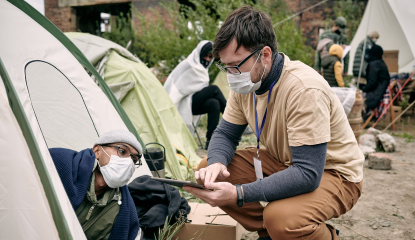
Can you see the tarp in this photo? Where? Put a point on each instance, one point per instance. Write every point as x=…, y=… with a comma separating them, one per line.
x=142, y=96
x=47, y=100
x=393, y=19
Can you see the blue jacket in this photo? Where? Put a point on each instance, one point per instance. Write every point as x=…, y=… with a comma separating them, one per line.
x=75, y=169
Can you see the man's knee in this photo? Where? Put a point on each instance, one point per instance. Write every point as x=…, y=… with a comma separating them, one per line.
x=202, y=164
x=280, y=220
x=213, y=105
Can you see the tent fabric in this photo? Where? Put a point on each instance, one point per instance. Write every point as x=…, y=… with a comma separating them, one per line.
x=393, y=19
x=152, y=112
x=222, y=82
x=22, y=198
x=26, y=40
x=52, y=29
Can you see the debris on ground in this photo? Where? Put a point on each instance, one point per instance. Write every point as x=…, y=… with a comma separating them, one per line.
x=380, y=161
x=386, y=141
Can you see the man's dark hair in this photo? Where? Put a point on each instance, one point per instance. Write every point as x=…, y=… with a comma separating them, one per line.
x=251, y=28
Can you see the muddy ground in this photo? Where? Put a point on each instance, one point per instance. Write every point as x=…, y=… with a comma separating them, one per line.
x=386, y=209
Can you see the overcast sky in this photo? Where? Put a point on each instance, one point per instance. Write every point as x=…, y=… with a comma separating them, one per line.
x=38, y=4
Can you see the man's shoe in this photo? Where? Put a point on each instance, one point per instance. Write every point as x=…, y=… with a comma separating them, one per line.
x=264, y=238
x=207, y=144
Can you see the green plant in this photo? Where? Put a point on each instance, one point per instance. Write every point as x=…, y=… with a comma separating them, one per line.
x=170, y=37
x=352, y=10
x=122, y=32
x=169, y=231
x=408, y=137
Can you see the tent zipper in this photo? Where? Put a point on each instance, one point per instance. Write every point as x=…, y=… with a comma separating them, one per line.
x=90, y=211
x=90, y=223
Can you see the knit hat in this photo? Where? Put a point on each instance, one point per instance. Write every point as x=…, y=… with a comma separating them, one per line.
x=340, y=22
x=373, y=34
x=121, y=136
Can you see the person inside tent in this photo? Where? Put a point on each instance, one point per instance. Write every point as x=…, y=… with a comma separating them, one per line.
x=95, y=181
x=377, y=77
x=188, y=87
x=371, y=39
x=338, y=28
x=332, y=67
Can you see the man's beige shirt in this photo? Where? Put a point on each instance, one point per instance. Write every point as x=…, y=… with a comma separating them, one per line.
x=302, y=110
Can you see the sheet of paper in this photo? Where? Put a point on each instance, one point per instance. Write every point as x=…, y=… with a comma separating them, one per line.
x=258, y=168
x=346, y=50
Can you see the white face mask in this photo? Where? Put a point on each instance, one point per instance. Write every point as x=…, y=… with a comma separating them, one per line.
x=374, y=39
x=118, y=171
x=242, y=83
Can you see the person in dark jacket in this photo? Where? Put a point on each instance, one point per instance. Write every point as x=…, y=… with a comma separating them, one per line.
x=371, y=39
x=377, y=76
x=95, y=182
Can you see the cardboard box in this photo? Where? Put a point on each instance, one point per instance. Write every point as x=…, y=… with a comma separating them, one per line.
x=223, y=226
x=391, y=60
x=396, y=111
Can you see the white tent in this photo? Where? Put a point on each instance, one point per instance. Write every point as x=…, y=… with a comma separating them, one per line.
x=47, y=99
x=393, y=19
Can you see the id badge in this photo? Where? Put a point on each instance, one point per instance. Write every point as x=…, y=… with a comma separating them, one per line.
x=258, y=168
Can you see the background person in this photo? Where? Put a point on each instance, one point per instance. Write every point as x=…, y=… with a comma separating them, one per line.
x=95, y=182
x=188, y=87
x=332, y=67
x=372, y=37
x=312, y=167
x=338, y=28
x=377, y=76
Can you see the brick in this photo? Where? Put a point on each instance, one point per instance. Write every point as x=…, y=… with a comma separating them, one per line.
x=380, y=161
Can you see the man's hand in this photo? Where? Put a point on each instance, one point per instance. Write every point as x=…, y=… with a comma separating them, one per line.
x=224, y=194
x=208, y=175
x=344, y=74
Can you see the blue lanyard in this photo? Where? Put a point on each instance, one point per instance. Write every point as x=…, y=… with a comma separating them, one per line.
x=258, y=133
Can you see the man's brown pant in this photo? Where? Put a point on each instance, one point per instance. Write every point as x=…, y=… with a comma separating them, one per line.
x=298, y=217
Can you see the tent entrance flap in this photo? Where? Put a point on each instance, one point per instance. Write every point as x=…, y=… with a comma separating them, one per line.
x=17, y=108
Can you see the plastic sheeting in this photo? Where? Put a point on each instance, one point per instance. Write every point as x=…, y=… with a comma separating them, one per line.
x=347, y=97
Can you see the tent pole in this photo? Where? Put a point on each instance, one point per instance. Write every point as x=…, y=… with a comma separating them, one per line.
x=364, y=45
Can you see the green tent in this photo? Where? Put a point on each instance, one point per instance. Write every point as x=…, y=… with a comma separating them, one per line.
x=222, y=82
x=144, y=99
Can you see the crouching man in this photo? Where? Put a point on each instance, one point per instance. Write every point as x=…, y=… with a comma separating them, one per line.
x=95, y=182
x=310, y=169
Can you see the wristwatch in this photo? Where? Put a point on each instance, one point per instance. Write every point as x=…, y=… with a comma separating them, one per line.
x=240, y=199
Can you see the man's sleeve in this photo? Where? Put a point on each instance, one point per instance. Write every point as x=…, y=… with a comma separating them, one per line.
x=338, y=70
x=224, y=141
x=302, y=177
x=227, y=135
x=308, y=118
x=233, y=112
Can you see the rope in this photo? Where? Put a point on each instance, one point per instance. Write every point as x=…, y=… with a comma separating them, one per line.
x=295, y=15
x=386, y=109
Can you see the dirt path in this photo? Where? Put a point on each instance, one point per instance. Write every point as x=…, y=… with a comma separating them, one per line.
x=386, y=209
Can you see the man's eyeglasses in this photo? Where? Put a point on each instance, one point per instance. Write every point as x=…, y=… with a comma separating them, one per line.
x=124, y=152
x=234, y=69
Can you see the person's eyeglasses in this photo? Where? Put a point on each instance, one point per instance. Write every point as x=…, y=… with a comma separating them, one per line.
x=234, y=69
x=124, y=152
